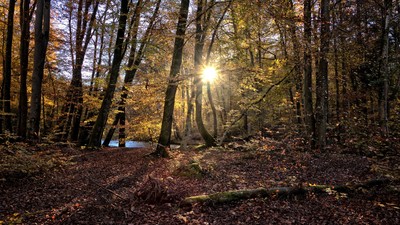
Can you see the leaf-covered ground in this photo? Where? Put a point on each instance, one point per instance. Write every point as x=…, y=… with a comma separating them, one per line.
x=127, y=186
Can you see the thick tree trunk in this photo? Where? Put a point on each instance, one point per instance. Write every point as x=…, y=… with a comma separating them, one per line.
x=42, y=30
x=164, y=140
x=97, y=131
x=307, y=79
x=25, y=20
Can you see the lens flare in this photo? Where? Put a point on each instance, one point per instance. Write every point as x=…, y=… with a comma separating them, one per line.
x=209, y=74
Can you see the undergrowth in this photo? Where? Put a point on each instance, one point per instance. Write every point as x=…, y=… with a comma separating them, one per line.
x=19, y=160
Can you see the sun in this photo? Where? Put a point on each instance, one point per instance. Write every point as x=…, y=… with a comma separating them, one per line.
x=209, y=74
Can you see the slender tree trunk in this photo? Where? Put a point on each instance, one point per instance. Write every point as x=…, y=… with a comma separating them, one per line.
x=25, y=20
x=213, y=109
x=164, y=140
x=385, y=70
x=336, y=67
x=135, y=58
x=74, y=107
x=307, y=79
x=201, y=26
x=42, y=30
x=84, y=132
x=322, y=77
x=97, y=131
x=6, y=90
x=191, y=93
x=209, y=94
x=297, y=65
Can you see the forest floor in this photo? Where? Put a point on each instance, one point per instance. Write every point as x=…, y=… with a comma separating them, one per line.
x=128, y=186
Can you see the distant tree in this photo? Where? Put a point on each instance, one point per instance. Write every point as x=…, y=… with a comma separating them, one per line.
x=164, y=140
x=74, y=99
x=97, y=131
x=42, y=30
x=134, y=60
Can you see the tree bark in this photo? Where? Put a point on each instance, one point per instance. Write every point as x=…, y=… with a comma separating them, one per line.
x=307, y=79
x=385, y=70
x=297, y=64
x=322, y=77
x=97, y=131
x=6, y=90
x=42, y=31
x=25, y=20
x=164, y=140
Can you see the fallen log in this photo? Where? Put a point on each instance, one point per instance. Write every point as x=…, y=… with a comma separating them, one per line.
x=230, y=196
x=236, y=195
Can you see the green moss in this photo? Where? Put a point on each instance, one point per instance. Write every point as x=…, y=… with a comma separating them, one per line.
x=192, y=170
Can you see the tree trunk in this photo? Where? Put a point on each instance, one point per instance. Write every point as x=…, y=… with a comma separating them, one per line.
x=121, y=134
x=6, y=90
x=307, y=79
x=322, y=78
x=74, y=98
x=97, y=131
x=198, y=61
x=135, y=58
x=385, y=70
x=111, y=131
x=209, y=94
x=297, y=65
x=84, y=132
x=214, y=111
x=134, y=61
x=25, y=20
x=42, y=30
x=164, y=140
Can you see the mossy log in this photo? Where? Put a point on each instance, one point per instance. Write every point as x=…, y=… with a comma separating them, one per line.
x=236, y=195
